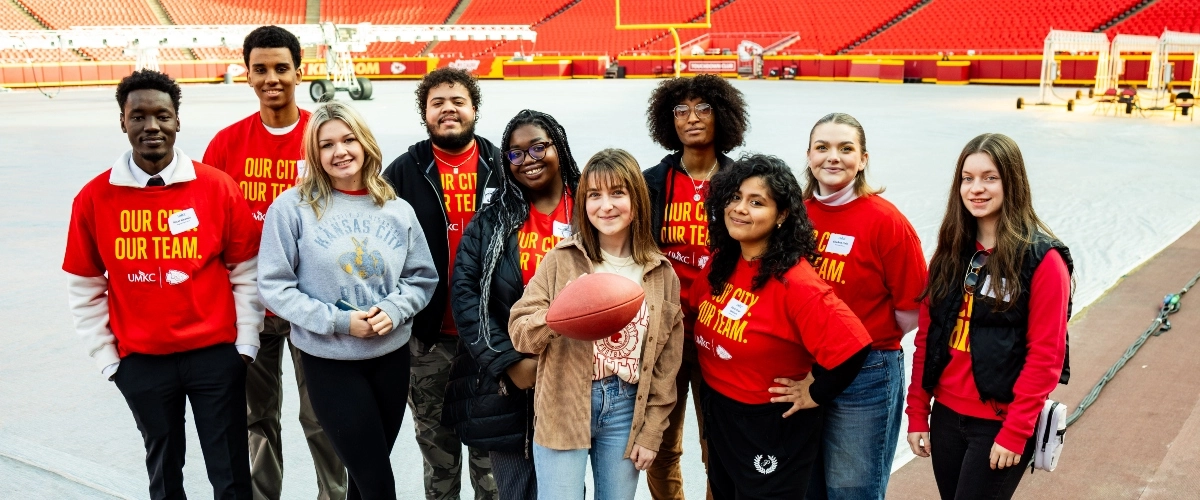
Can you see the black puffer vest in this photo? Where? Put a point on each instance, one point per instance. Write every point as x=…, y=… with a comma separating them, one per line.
x=998, y=347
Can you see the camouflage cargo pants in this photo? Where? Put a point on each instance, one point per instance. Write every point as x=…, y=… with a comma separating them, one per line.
x=264, y=406
x=440, y=445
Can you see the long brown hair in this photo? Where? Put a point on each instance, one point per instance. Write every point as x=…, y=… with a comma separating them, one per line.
x=616, y=167
x=1014, y=231
x=316, y=189
x=861, y=188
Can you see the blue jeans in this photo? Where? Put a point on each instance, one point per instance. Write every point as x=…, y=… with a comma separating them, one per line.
x=862, y=427
x=560, y=473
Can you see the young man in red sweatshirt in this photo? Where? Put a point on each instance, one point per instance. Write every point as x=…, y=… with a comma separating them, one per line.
x=162, y=259
x=263, y=153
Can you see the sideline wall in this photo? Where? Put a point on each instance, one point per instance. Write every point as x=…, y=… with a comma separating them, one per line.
x=990, y=69
x=1014, y=69
x=111, y=72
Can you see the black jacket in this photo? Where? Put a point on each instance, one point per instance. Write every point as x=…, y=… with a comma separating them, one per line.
x=998, y=347
x=482, y=404
x=414, y=176
x=658, y=180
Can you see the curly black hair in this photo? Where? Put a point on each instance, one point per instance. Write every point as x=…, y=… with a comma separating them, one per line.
x=789, y=243
x=729, y=108
x=148, y=79
x=453, y=77
x=271, y=37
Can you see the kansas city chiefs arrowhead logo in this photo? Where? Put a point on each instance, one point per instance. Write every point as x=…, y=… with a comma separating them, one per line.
x=176, y=277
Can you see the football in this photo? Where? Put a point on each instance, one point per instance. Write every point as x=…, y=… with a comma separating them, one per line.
x=595, y=306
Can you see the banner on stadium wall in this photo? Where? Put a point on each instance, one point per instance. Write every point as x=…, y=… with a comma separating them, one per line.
x=479, y=66
x=709, y=66
x=375, y=67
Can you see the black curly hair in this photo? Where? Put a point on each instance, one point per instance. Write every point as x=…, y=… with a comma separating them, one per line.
x=148, y=79
x=271, y=37
x=511, y=206
x=453, y=77
x=792, y=241
x=729, y=108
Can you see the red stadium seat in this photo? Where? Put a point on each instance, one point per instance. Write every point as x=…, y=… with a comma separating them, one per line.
x=825, y=26
x=587, y=26
x=1174, y=15
x=1014, y=26
x=385, y=11
x=235, y=11
x=59, y=15
x=520, y=12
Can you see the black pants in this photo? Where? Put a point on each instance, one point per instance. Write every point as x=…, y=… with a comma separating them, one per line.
x=360, y=404
x=755, y=453
x=961, y=451
x=515, y=475
x=214, y=380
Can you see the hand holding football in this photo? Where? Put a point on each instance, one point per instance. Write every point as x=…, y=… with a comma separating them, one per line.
x=595, y=306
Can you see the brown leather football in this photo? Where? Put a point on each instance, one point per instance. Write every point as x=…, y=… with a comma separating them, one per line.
x=595, y=306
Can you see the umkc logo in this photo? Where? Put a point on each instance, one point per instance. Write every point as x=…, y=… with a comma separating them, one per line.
x=173, y=277
x=143, y=277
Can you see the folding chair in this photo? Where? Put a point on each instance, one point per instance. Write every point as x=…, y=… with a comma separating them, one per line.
x=1106, y=101
x=1129, y=97
x=1184, y=101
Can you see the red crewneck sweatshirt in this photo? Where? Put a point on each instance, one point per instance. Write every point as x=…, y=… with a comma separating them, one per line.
x=1046, y=338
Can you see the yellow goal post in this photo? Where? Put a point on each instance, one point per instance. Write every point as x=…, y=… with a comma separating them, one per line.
x=671, y=27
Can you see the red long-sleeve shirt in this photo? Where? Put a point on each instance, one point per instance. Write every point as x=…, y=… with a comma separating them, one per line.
x=1046, y=338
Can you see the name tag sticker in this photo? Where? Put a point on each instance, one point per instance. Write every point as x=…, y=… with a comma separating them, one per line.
x=301, y=169
x=735, y=309
x=562, y=229
x=184, y=220
x=487, y=195
x=840, y=244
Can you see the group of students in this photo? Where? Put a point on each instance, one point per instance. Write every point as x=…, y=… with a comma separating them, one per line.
x=779, y=306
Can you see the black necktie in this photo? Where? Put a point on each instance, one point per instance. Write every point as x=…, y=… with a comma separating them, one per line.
x=156, y=181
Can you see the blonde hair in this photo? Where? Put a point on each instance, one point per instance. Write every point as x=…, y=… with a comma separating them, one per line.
x=315, y=187
x=616, y=167
x=861, y=188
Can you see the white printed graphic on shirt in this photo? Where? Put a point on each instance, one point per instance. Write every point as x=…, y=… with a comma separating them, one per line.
x=176, y=277
x=765, y=465
x=620, y=353
x=723, y=354
x=987, y=290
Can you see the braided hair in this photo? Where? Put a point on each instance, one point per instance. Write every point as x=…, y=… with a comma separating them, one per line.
x=510, y=204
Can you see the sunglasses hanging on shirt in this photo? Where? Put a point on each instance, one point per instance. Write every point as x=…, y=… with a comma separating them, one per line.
x=971, y=280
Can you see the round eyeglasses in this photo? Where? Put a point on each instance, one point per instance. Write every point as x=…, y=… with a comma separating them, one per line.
x=702, y=110
x=537, y=151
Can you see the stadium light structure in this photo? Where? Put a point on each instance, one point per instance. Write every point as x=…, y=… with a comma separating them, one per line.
x=1173, y=42
x=1109, y=77
x=1068, y=41
x=338, y=39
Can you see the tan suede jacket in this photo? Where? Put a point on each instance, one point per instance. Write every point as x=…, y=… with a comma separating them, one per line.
x=563, y=390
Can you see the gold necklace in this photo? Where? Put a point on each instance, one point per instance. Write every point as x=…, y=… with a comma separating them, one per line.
x=696, y=196
x=471, y=152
